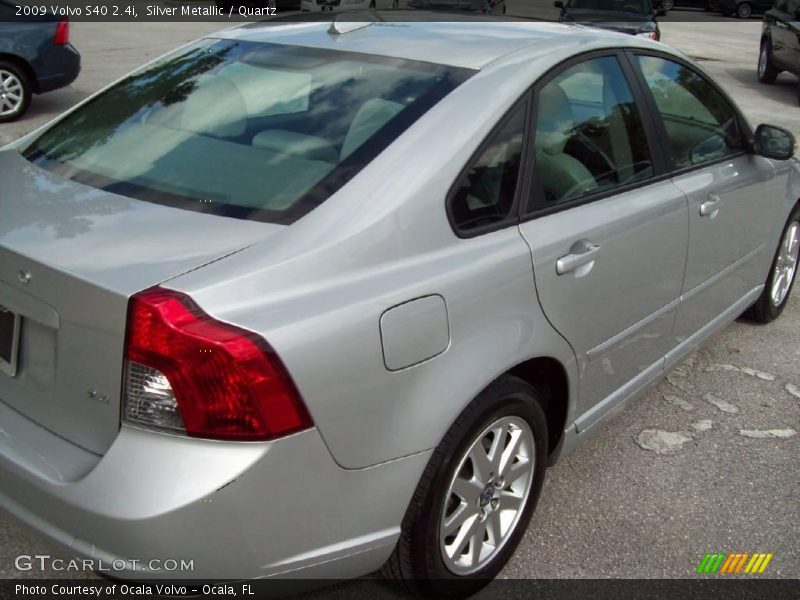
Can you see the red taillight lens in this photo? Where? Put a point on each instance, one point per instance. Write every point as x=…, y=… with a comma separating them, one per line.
x=61, y=38
x=226, y=382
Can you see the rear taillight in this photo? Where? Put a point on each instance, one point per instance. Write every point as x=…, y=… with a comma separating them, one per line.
x=61, y=38
x=188, y=373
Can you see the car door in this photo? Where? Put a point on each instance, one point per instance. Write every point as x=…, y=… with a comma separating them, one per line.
x=728, y=187
x=777, y=19
x=608, y=238
x=786, y=35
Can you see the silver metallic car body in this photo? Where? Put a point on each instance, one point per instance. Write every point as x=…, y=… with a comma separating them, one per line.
x=389, y=323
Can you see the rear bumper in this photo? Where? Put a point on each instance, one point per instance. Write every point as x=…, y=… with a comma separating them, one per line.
x=58, y=69
x=228, y=511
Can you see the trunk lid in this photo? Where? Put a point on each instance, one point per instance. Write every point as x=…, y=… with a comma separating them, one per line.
x=70, y=257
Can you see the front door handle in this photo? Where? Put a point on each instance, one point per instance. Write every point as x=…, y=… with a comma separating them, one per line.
x=582, y=253
x=710, y=207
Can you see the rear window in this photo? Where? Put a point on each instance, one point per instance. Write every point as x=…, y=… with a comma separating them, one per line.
x=242, y=129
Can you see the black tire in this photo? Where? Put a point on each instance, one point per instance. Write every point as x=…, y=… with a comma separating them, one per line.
x=667, y=5
x=744, y=10
x=417, y=561
x=766, y=71
x=27, y=91
x=764, y=310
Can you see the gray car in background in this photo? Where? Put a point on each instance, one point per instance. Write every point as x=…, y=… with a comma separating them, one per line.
x=348, y=324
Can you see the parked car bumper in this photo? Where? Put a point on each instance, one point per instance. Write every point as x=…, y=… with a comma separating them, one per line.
x=60, y=67
x=281, y=508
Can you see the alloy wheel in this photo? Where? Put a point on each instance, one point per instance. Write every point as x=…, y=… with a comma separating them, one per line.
x=785, y=264
x=12, y=94
x=487, y=495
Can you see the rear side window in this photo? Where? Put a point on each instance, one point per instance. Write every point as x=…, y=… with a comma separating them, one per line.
x=243, y=129
x=701, y=125
x=485, y=194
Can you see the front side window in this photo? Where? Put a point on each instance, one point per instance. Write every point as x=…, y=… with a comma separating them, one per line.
x=589, y=134
x=701, y=125
x=485, y=193
x=243, y=129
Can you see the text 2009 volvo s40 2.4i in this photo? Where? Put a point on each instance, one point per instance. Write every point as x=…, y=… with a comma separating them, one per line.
x=309, y=300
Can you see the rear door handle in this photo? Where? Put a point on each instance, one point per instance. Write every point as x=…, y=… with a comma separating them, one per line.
x=710, y=207
x=582, y=254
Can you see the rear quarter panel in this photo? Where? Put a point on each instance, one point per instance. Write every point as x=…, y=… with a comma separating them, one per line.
x=28, y=41
x=317, y=290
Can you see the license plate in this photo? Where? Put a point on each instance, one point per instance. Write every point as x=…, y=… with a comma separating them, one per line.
x=9, y=341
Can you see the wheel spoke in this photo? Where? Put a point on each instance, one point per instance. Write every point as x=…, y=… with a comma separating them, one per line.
x=476, y=543
x=511, y=451
x=463, y=538
x=494, y=528
x=481, y=464
x=467, y=490
x=777, y=288
x=458, y=518
x=517, y=470
x=495, y=453
x=510, y=501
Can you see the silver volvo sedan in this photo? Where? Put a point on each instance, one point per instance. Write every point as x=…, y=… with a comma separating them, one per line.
x=305, y=301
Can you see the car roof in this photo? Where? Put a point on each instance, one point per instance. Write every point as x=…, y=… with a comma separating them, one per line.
x=472, y=44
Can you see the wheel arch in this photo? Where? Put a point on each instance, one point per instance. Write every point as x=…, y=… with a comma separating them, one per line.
x=549, y=377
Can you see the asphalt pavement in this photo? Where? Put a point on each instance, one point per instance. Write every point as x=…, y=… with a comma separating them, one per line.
x=684, y=471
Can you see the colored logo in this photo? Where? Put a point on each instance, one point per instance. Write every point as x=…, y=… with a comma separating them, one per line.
x=734, y=562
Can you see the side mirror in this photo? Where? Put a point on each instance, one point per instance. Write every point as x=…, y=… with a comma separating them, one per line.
x=774, y=142
x=559, y=4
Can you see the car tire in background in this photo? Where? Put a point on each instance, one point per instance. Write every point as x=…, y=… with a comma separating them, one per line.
x=767, y=73
x=782, y=274
x=667, y=5
x=744, y=10
x=15, y=91
x=461, y=497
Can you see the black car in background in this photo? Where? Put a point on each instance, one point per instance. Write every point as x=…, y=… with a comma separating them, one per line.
x=706, y=5
x=636, y=17
x=35, y=57
x=743, y=9
x=780, y=42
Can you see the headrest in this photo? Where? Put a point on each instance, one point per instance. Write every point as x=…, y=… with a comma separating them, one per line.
x=214, y=108
x=372, y=115
x=555, y=121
